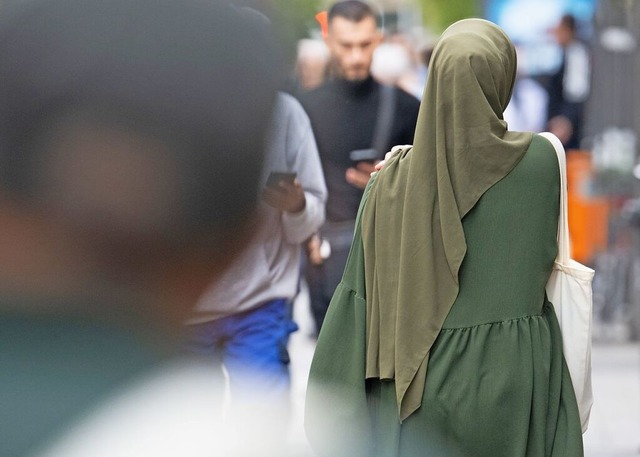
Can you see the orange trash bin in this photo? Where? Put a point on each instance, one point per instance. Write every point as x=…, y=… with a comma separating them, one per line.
x=588, y=214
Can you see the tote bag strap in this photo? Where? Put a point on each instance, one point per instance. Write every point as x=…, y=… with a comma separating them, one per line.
x=564, y=247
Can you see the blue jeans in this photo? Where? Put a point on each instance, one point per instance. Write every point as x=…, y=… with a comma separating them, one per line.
x=252, y=346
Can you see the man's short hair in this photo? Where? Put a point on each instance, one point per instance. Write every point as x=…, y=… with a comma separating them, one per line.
x=351, y=10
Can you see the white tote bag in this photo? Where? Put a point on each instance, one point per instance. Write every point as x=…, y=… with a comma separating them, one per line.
x=569, y=289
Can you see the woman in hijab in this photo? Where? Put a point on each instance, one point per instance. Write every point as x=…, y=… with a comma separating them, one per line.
x=440, y=339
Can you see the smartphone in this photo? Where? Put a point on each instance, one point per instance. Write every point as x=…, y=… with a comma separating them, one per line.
x=359, y=155
x=276, y=176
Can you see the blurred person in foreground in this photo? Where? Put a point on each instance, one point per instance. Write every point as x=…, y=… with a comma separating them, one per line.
x=244, y=319
x=131, y=139
x=440, y=340
x=356, y=120
x=569, y=86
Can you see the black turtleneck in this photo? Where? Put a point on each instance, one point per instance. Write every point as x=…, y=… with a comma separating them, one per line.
x=343, y=116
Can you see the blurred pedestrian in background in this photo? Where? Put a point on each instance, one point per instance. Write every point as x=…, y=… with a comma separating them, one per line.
x=312, y=65
x=440, y=340
x=391, y=62
x=131, y=144
x=244, y=319
x=527, y=110
x=569, y=86
x=399, y=62
x=355, y=120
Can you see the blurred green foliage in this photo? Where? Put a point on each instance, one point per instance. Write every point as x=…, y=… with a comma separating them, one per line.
x=299, y=15
x=296, y=18
x=439, y=14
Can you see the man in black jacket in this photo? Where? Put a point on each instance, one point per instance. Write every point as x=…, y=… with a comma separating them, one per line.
x=356, y=120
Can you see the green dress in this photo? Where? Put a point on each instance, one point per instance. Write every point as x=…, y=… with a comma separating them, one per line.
x=497, y=384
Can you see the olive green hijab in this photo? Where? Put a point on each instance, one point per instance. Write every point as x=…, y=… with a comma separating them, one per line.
x=412, y=231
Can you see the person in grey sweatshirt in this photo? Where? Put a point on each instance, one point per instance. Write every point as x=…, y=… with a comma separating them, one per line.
x=244, y=319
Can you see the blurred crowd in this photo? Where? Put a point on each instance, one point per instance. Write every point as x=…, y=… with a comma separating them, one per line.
x=540, y=102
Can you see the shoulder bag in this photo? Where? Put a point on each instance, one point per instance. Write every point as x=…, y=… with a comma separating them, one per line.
x=569, y=290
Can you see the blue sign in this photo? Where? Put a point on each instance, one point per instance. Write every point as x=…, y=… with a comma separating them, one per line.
x=529, y=24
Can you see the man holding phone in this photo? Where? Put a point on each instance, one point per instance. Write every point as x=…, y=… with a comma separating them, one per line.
x=284, y=192
x=356, y=120
x=244, y=319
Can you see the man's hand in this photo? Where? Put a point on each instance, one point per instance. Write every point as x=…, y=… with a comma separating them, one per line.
x=314, y=246
x=285, y=196
x=359, y=176
x=394, y=150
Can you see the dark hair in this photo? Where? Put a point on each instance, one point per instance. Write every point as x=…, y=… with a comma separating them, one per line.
x=569, y=21
x=193, y=74
x=352, y=10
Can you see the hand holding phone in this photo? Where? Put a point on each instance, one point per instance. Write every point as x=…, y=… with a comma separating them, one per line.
x=275, y=177
x=359, y=175
x=284, y=192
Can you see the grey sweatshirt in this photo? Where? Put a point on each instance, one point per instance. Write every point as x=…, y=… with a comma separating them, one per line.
x=269, y=268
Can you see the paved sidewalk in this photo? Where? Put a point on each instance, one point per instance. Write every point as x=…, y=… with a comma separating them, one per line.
x=301, y=347
x=614, y=428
